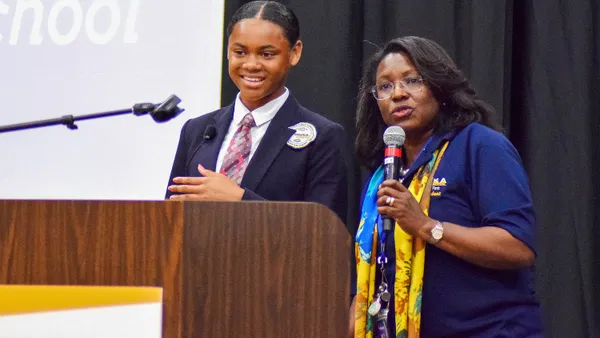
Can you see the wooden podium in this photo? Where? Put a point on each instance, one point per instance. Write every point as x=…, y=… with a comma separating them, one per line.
x=246, y=269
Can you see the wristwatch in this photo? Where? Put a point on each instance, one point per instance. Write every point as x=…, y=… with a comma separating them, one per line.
x=437, y=232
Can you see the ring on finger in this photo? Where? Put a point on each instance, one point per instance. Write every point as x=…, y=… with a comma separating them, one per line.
x=389, y=201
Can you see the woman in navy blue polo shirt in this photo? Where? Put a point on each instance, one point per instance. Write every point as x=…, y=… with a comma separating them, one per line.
x=459, y=260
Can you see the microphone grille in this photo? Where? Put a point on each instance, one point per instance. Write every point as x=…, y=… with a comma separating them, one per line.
x=394, y=136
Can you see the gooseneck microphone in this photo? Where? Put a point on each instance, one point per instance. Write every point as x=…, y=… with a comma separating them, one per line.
x=167, y=110
x=160, y=112
x=393, y=137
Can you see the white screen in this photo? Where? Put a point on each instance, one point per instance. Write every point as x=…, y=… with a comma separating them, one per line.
x=77, y=57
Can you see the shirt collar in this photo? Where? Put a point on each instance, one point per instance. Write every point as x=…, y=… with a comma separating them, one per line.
x=262, y=114
x=425, y=155
x=437, y=139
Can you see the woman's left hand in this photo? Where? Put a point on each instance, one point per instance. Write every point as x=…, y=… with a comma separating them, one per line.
x=396, y=201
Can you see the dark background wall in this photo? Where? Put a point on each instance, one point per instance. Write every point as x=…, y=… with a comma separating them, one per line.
x=537, y=63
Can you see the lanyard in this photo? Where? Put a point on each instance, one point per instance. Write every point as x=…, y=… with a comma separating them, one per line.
x=380, y=305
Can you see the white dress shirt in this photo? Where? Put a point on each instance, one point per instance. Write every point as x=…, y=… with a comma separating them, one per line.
x=262, y=118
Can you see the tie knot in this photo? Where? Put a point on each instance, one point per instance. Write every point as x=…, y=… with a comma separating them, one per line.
x=248, y=121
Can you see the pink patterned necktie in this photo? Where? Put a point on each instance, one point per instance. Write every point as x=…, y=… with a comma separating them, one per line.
x=236, y=160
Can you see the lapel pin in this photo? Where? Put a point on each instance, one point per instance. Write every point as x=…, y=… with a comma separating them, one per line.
x=304, y=134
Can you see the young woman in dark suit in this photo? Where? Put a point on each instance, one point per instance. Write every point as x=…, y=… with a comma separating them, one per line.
x=265, y=145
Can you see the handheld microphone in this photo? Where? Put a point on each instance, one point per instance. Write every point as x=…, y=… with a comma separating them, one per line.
x=393, y=137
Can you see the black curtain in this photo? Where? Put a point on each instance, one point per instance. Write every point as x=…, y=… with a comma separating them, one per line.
x=556, y=102
x=537, y=63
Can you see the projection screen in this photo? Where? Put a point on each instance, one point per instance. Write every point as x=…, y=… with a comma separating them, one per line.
x=71, y=57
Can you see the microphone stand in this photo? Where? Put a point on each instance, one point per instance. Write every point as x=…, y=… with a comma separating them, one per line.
x=160, y=113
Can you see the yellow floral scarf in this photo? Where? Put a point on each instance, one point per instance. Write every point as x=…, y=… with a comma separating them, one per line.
x=410, y=257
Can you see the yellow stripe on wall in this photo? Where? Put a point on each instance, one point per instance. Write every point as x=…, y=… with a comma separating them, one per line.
x=18, y=299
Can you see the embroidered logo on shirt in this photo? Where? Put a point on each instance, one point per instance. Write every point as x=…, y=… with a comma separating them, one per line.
x=436, y=189
x=304, y=135
x=439, y=183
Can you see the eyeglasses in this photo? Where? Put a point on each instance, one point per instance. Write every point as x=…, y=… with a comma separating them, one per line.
x=411, y=85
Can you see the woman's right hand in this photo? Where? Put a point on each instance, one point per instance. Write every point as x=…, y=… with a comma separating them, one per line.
x=351, y=317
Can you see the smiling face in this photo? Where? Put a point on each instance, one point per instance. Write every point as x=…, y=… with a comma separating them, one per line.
x=415, y=112
x=260, y=58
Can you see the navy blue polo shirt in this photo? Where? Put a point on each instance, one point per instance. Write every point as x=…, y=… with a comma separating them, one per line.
x=480, y=182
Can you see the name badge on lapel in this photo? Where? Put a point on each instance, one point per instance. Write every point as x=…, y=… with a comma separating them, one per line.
x=304, y=135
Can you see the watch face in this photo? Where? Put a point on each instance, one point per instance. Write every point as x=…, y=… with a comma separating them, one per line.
x=437, y=233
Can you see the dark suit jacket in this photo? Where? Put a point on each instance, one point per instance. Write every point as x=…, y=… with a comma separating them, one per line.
x=276, y=172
